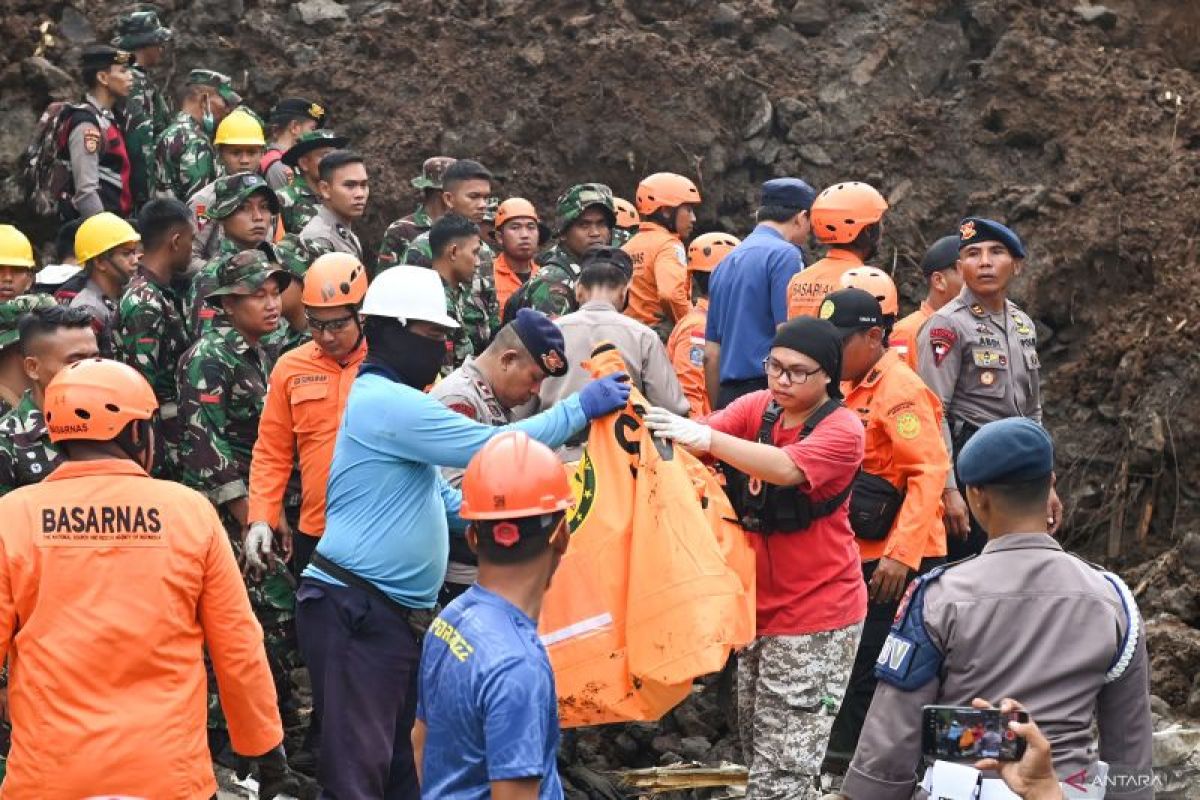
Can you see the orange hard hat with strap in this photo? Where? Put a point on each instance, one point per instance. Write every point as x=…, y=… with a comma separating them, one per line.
x=512, y=477
x=627, y=215
x=334, y=279
x=876, y=283
x=841, y=211
x=707, y=250
x=95, y=399
x=665, y=190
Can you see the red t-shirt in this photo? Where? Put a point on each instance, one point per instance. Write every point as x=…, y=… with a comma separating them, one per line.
x=810, y=581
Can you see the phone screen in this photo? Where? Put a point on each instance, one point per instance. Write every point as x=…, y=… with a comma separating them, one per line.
x=962, y=733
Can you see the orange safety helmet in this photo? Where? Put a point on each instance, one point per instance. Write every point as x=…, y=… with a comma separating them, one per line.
x=512, y=477
x=707, y=250
x=515, y=208
x=627, y=215
x=665, y=190
x=876, y=283
x=95, y=399
x=841, y=211
x=334, y=279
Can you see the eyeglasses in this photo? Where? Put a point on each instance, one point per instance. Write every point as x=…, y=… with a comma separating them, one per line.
x=794, y=375
x=329, y=326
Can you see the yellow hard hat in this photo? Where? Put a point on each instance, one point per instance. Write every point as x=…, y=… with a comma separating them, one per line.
x=15, y=249
x=239, y=128
x=101, y=233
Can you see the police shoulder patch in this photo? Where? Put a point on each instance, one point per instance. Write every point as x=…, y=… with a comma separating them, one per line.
x=464, y=408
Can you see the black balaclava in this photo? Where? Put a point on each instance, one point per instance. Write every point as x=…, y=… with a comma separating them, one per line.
x=414, y=359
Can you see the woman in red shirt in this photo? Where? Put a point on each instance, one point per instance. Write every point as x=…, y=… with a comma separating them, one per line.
x=798, y=450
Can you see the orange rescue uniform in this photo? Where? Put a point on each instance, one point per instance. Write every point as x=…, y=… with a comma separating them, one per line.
x=303, y=410
x=904, y=334
x=111, y=583
x=808, y=288
x=660, y=289
x=507, y=279
x=904, y=446
x=686, y=349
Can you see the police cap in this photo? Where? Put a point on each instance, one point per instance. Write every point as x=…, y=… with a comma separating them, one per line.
x=974, y=230
x=544, y=341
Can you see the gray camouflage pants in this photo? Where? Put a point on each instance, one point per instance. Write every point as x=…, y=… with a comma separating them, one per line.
x=789, y=692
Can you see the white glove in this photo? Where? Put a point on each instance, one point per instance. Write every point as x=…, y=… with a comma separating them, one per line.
x=258, y=544
x=691, y=435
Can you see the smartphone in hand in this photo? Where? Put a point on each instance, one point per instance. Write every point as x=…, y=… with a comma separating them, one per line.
x=963, y=733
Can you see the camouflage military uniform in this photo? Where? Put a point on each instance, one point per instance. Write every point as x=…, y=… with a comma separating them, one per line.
x=199, y=313
x=147, y=114
x=480, y=310
x=151, y=335
x=552, y=289
x=789, y=691
x=221, y=383
x=399, y=235
x=26, y=452
x=298, y=204
x=184, y=161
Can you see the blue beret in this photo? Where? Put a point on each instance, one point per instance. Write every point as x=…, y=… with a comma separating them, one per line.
x=789, y=193
x=1009, y=450
x=973, y=230
x=544, y=341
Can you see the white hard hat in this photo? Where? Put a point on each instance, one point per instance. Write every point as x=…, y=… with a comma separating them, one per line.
x=406, y=293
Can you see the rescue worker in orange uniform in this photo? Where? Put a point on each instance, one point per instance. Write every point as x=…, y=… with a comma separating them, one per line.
x=658, y=295
x=849, y=218
x=519, y=233
x=686, y=345
x=306, y=394
x=895, y=508
x=112, y=583
x=940, y=268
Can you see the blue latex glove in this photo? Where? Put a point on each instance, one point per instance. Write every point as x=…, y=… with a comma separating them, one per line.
x=604, y=395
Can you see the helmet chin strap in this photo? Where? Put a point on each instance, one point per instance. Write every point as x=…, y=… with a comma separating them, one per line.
x=134, y=442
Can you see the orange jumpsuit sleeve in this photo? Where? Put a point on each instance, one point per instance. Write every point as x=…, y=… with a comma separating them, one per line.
x=670, y=276
x=920, y=462
x=274, y=450
x=235, y=644
x=686, y=348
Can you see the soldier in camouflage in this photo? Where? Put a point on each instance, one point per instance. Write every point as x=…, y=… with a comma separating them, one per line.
x=466, y=189
x=149, y=327
x=299, y=199
x=221, y=383
x=51, y=337
x=586, y=217
x=244, y=206
x=147, y=113
x=456, y=246
x=13, y=380
x=400, y=233
x=184, y=161
x=239, y=147
x=487, y=225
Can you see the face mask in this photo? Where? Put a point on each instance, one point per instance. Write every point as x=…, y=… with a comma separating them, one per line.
x=414, y=358
x=209, y=123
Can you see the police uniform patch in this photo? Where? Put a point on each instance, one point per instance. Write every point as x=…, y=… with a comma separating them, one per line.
x=985, y=358
x=827, y=309
x=466, y=409
x=696, y=356
x=978, y=310
x=91, y=140
x=908, y=425
x=941, y=340
x=987, y=377
x=1022, y=328
x=966, y=231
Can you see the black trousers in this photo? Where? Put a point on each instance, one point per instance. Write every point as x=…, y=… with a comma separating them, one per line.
x=847, y=727
x=732, y=390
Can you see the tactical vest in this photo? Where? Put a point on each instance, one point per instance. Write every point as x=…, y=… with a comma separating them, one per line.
x=116, y=171
x=767, y=508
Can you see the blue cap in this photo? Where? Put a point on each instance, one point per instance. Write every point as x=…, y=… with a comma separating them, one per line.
x=789, y=193
x=1009, y=450
x=974, y=230
x=544, y=341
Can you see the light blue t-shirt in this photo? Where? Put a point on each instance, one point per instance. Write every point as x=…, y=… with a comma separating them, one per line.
x=387, y=505
x=486, y=696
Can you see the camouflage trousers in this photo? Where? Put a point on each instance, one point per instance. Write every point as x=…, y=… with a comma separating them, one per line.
x=789, y=692
x=273, y=599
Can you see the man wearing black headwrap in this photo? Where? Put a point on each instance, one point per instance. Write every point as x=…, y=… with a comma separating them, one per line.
x=793, y=451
